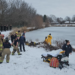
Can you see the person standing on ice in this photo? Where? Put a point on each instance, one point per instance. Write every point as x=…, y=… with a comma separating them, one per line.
x=49, y=39
x=68, y=50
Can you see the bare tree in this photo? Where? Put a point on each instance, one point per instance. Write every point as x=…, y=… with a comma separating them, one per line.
x=67, y=19
x=73, y=18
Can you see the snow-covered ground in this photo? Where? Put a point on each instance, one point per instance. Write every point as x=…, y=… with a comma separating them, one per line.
x=30, y=62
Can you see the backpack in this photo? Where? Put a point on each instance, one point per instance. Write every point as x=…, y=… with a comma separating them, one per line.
x=54, y=63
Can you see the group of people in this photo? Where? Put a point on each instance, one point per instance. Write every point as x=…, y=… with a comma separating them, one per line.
x=5, y=27
x=67, y=48
x=18, y=39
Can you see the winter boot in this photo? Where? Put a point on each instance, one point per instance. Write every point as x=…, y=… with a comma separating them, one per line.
x=67, y=63
x=19, y=54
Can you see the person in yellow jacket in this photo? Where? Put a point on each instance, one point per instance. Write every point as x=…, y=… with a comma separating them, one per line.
x=46, y=40
x=1, y=45
x=49, y=39
x=19, y=34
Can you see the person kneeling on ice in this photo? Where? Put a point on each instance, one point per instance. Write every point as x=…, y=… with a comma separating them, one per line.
x=49, y=39
x=46, y=40
x=68, y=50
x=15, y=45
x=6, y=50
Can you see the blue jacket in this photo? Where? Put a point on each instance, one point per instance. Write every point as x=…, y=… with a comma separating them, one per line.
x=67, y=49
x=22, y=39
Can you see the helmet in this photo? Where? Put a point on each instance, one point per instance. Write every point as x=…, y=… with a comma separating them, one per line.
x=6, y=38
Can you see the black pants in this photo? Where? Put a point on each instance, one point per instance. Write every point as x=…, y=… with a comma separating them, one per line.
x=22, y=44
x=0, y=54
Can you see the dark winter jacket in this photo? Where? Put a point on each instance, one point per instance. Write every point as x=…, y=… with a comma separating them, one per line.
x=15, y=36
x=15, y=42
x=67, y=49
x=22, y=39
x=12, y=38
x=6, y=45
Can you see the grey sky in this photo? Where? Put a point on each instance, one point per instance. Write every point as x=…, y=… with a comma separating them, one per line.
x=60, y=8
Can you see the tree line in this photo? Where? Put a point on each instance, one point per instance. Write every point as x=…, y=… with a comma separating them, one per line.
x=19, y=13
x=59, y=20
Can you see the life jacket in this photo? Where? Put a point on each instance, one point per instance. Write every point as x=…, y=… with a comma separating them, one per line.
x=54, y=63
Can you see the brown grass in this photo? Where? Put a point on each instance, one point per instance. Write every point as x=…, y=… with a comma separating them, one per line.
x=59, y=44
x=21, y=29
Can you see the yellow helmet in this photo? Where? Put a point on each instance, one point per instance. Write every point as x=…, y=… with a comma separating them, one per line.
x=16, y=32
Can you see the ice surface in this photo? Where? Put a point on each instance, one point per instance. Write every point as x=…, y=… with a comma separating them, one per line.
x=58, y=33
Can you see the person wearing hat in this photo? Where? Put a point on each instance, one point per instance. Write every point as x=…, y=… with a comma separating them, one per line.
x=24, y=33
x=12, y=38
x=15, y=45
x=49, y=39
x=6, y=50
x=15, y=35
x=46, y=40
x=22, y=41
x=19, y=34
x=68, y=50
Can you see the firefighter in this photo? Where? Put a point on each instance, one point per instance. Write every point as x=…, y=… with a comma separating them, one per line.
x=12, y=37
x=1, y=47
x=19, y=34
x=6, y=50
x=49, y=39
x=68, y=50
x=46, y=40
x=15, y=36
x=15, y=45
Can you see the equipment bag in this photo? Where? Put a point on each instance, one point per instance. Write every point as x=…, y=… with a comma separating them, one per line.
x=54, y=63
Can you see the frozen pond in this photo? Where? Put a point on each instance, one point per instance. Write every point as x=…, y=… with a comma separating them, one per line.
x=58, y=33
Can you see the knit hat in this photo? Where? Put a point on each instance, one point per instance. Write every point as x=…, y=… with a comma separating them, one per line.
x=50, y=34
x=67, y=41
